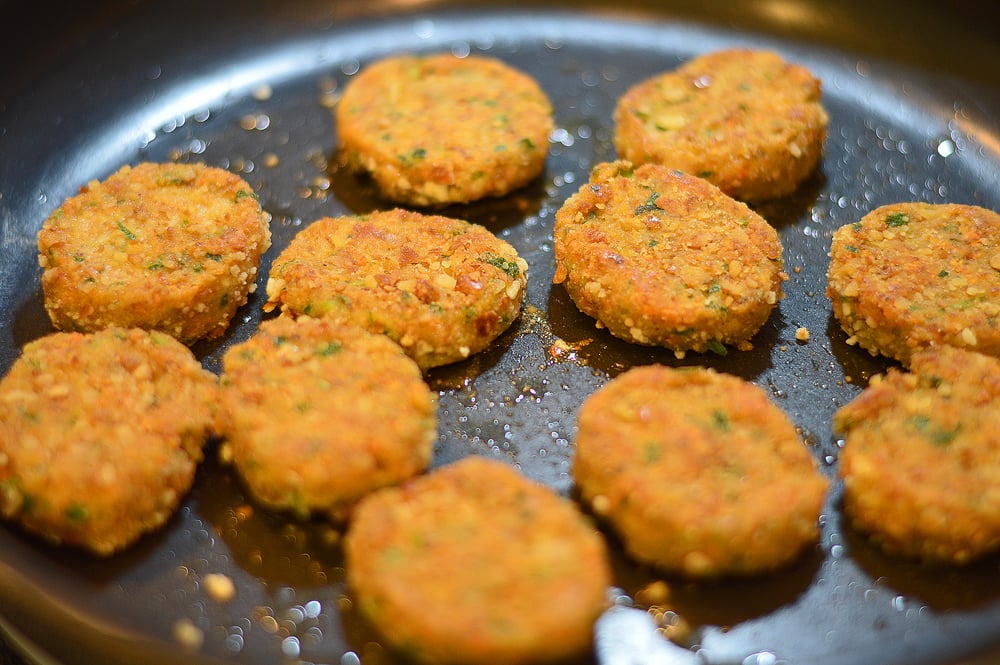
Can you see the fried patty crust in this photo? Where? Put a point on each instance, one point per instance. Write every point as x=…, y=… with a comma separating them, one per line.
x=442, y=288
x=169, y=247
x=912, y=275
x=663, y=258
x=747, y=121
x=474, y=563
x=439, y=129
x=921, y=456
x=698, y=472
x=320, y=413
x=101, y=434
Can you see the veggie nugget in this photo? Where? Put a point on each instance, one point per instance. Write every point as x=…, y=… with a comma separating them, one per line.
x=747, y=121
x=439, y=129
x=697, y=471
x=170, y=247
x=921, y=458
x=911, y=275
x=475, y=563
x=663, y=258
x=100, y=435
x=442, y=288
x=320, y=413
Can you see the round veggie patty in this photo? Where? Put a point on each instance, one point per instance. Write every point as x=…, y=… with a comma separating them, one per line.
x=746, y=121
x=169, y=247
x=911, y=275
x=697, y=471
x=320, y=413
x=474, y=563
x=442, y=288
x=440, y=129
x=921, y=457
x=663, y=258
x=101, y=434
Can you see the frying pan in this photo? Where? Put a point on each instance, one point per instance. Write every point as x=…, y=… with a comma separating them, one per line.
x=913, y=92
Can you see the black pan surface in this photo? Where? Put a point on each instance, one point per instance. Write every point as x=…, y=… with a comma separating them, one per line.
x=913, y=92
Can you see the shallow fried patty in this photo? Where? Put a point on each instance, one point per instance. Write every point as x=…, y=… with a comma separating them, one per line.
x=440, y=129
x=910, y=275
x=921, y=457
x=745, y=120
x=320, y=413
x=442, y=288
x=474, y=563
x=663, y=258
x=698, y=472
x=170, y=247
x=100, y=435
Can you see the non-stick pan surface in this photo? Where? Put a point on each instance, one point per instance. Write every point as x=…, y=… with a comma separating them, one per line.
x=913, y=93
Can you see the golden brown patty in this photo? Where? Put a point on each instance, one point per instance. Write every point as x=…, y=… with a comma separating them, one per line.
x=170, y=247
x=100, y=435
x=663, y=258
x=443, y=288
x=745, y=120
x=474, y=563
x=441, y=129
x=321, y=413
x=697, y=471
x=910, y=275
x=921, y=459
